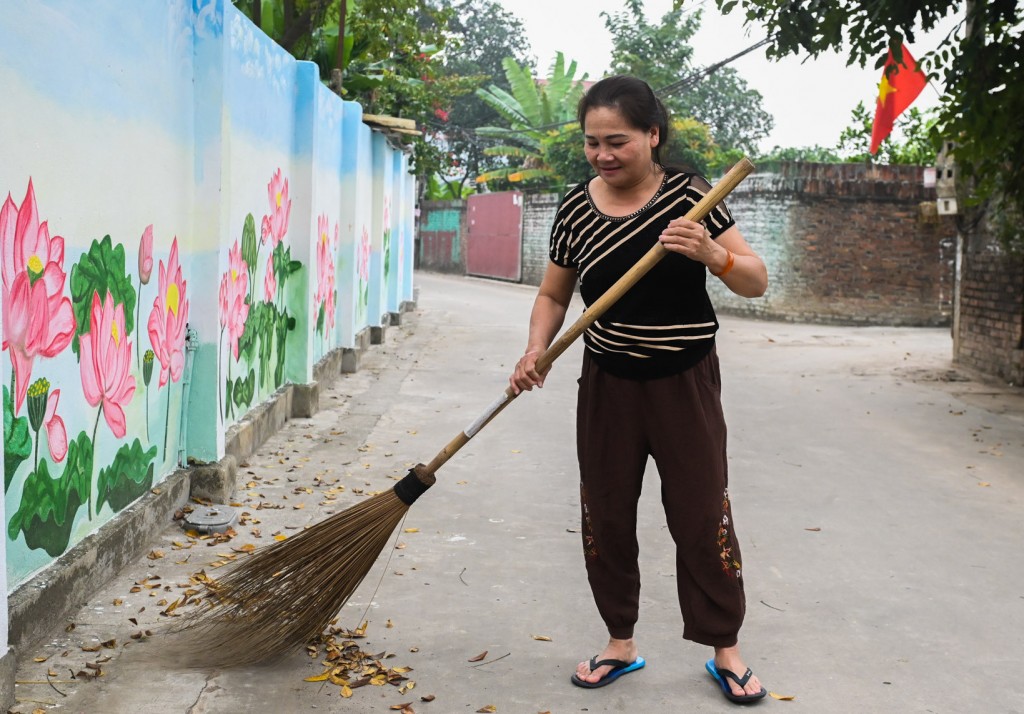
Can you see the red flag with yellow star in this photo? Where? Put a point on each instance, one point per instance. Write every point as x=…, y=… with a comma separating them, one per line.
x=900, y=85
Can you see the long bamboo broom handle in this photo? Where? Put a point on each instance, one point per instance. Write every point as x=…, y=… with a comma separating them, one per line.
x=719, y=191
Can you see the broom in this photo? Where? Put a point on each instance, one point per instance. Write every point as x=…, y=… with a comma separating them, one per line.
x=286, y=594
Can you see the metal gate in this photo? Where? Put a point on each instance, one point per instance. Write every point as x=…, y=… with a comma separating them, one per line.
x=494, y=235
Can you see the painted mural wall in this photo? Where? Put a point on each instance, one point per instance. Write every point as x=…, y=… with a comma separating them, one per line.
x=193, y=218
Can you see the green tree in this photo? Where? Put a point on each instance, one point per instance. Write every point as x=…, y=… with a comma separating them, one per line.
x=908, y=144
x=438, y=189
x=563, y=151
x=818, y=154
x=661, y=54
x=979, y=62
x=533, y=111
x=691, y=145
x=485, y=33
x=389, y=60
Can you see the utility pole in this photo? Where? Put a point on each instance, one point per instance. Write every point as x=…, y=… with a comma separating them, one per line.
x=339, y=63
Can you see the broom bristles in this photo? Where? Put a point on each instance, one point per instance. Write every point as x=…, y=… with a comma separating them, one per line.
x=285, y=595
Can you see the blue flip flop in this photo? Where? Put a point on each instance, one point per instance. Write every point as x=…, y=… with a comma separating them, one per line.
x=619, y=668
x=721, y=674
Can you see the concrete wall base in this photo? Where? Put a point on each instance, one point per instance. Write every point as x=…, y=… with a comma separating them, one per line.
x=246, y=436
x=305, y=400
x=214, y=482
x=8, y=670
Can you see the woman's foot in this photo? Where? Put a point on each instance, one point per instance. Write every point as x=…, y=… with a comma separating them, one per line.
x=729, y=658
x=623, y=650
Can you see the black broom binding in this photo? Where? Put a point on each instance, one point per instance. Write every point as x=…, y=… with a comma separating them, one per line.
x=414, y=484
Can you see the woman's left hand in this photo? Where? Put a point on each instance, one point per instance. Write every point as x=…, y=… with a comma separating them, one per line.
x=694, y=241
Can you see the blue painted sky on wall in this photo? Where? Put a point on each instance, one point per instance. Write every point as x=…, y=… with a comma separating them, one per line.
x=55, y=48
x=268, y=91
x=261, y=87
x=52, y=46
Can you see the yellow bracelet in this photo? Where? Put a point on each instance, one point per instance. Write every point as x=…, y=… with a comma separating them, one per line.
x=730, y=261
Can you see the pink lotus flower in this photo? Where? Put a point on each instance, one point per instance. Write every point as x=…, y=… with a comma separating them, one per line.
x=168, y=319
x=106, y=355
x=275, y=225
x=270, y=281
x=326, y=270
x=38, y=319
x=146, y=255
x=363, y=257
x=56, y=434
x=324, y=259
x=234, y=287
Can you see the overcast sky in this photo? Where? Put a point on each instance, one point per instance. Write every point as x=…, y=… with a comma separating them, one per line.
x=810, y=101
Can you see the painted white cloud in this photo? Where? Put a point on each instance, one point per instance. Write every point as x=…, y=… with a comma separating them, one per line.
x=259, y=59
x=207, y=18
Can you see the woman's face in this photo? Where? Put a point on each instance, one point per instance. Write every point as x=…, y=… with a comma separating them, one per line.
x=620, y=153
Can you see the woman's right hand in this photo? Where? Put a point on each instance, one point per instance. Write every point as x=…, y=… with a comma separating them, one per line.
x=526, y=377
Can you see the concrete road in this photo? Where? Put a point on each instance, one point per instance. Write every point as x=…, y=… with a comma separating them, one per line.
x=878, y=496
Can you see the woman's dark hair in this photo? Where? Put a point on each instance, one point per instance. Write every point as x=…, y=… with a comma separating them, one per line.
x=634, y=99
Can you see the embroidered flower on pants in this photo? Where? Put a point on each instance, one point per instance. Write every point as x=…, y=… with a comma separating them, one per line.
x=729, y=563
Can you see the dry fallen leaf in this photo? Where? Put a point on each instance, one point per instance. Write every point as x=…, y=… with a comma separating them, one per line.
x=389, y=624
x=155, y=554
x=280, y=537
x=486, y=710
x=411, y=530
x=40, y=659
x=783, y=697
x=542, y=638
x=815, y=529
x=479, y=657
x=984, y=484
x=427, y=698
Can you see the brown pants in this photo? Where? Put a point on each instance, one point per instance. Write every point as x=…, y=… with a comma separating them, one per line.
x=677, y=420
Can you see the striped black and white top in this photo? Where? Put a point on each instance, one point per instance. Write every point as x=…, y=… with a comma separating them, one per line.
x=665, y=323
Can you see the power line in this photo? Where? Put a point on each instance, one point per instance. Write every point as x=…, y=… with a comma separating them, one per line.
x=708, y=71
x=668, y=89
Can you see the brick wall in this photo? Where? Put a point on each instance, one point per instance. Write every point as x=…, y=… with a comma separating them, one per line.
x=539, y=211
x=845, y=244
x=989, y=334
x=441, y=236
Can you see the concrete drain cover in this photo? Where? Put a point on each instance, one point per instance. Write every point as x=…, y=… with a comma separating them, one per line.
x=210, y=519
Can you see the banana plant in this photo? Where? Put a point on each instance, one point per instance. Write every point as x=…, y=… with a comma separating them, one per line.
x=533, y=110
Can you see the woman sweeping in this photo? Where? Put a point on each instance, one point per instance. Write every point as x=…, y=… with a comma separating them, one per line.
x=650, y=382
